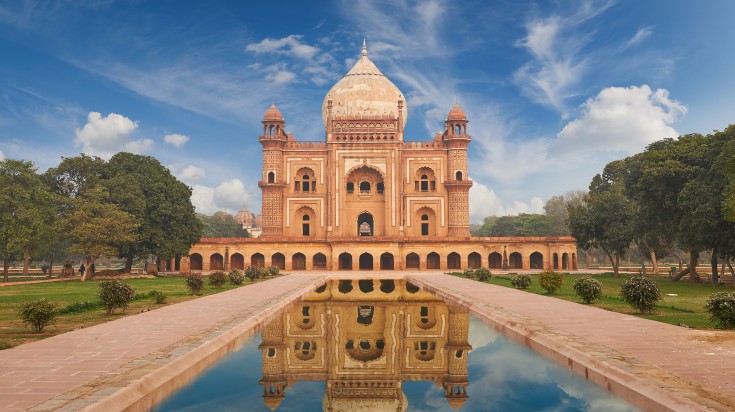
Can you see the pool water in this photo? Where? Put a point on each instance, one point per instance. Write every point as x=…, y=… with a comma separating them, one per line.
x=391, y=347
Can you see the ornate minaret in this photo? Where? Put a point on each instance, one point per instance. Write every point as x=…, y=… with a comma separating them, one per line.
x=457, y=379
x=458, y=185
x=273, y=183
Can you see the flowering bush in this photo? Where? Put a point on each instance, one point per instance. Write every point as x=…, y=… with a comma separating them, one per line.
x=38, y=313
x=217, y=279
x=115, y=294
x=521, y=281
x=550, y=280
x=721, y=306
x=588, y=288
x=469, y=273
x=236, y=277
x=483, y=274
x=641, y=293
x=252, y=272
x=195, y=283
x=273, y=271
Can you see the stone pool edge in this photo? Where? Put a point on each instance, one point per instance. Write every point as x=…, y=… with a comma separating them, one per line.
x=645, y=386
x=145, y=392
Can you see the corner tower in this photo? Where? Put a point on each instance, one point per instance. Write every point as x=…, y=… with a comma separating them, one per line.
x=458, y=185
x=273, y=184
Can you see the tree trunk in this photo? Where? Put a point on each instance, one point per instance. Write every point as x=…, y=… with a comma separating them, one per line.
x=6, y=266
x=587, y=259
x=693, y=260
x=732, y=272
x=715, y=273
x=87, y=269
x=26, y=259
x=128, y=263
x=681, y=274
x=51, y=266
x=654, y=262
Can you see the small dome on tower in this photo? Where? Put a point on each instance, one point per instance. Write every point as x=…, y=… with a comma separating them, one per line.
x=456, y=403
x=273, y=114
x=456, y=113
x=273, y=402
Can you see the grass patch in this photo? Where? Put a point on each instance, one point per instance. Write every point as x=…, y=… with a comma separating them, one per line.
x=685, y=309
x=80, y=306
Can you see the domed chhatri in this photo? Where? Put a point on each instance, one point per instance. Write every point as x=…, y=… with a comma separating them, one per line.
x=456, y=113
x=273, y=114
x=364, y=90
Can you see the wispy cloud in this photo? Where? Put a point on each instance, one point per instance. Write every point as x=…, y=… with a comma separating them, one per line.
x=642, y=34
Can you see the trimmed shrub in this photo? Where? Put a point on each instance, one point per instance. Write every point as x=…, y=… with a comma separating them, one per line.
x=550, y=280
x=195, y=283
x=273, y=270
x=217, y=279
x=469, y=273
x=38, y=313
x=641, y=293
x=252, y=272
x=588, y=289
x=159, y=298
x=521, y=280
x=483, y=274
x=263, y=273
x=721, y=307
x=115, y=294
x=236, y=277
x=79, y=307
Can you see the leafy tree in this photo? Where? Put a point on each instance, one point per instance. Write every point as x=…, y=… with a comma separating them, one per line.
x=25, y=211
x=726, y=165
x=98, y=227
x=222, y=224
x=486, y=227
x=75, y=175
x=525, y=224
x=557, y=214
x=167, y=225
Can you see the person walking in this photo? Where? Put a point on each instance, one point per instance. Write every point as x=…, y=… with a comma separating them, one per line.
x=81, y=269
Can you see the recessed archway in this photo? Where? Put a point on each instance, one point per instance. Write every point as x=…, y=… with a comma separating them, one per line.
x=556, y=261
x=279, y=261
x=495, y=260
x=565, y=261
x=298, y=261
x=537, y=260
x=386, y=261
x=515, y=261
x=345, y=261
x=366, y=261
x=195, y=261
x=320, y=261
x=433, y=261
x=454, y=261
x=237, y=261
x=412, y=261
x=258, y=260
x=365, y=224
x=216, y=262
x=474, y=260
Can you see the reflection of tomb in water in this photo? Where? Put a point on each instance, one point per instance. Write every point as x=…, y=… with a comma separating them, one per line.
x=364, y=341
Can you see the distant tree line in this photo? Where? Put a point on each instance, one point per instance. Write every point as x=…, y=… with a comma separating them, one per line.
x=221, y=224
x=678, y=193
x=130, y=206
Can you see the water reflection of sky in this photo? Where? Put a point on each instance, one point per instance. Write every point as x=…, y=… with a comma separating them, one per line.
x=503, y=376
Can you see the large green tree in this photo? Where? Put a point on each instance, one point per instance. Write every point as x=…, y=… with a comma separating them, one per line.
x=557, y=212
x=222, y=224
x=26, y=210
x=166, y=222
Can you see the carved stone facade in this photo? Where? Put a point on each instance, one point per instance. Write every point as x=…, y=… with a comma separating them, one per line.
x=365, y=198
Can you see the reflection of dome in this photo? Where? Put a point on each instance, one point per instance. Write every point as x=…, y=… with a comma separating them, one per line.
x=456, y=403
x=354, y=404
x=273, y=402
x=364, y=91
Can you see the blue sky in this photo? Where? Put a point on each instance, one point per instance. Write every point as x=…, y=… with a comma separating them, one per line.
x=553, y=90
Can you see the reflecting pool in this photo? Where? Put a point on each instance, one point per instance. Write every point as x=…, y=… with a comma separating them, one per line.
x=385, y=345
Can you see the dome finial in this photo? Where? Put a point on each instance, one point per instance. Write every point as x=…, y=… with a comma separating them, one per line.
x=364, y=47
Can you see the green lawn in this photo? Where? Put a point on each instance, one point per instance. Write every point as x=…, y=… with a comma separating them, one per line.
x=13, y=332
x=687, y=308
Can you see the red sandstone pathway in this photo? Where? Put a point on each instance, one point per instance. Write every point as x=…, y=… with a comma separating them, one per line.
x=700, y=356
x=36, y=372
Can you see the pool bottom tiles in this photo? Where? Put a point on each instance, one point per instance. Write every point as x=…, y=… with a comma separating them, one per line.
x=385, y=345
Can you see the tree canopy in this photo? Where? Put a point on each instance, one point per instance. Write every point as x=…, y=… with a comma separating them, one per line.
x=222, y=224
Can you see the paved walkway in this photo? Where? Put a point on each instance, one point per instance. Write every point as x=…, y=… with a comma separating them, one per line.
x=649, y=350
x=38, y=373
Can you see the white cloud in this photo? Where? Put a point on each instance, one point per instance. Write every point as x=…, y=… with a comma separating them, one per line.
x=202, y=197
x=485, y=202
x=621, y=119
x=230, y=195
x=642, y=34
x=105, y=136
x=282, y=77
x=291, y=45
x=192, y=172
x=176, y=139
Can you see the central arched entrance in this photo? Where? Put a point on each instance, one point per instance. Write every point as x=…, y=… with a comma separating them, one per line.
x=345, y=261
x=365, y=224
x=386, y=261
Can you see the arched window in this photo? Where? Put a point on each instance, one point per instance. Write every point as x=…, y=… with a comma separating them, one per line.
x=365, y=187
x=424, y=183
x=305, y=226
x=350, y=187
x=271, y=177
x=305, y=180
x=424, y=225
x=425, y=180
x=458, y=176
x=379, y=188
